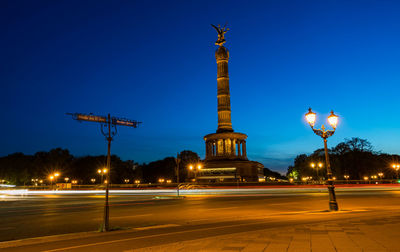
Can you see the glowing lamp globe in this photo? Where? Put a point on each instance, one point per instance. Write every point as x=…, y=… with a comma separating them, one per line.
x=333, y=120
x=311, y=117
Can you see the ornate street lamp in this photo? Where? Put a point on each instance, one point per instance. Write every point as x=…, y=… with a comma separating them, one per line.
x=332, y=120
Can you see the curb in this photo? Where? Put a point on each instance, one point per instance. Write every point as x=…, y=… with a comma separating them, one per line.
x=54, y=238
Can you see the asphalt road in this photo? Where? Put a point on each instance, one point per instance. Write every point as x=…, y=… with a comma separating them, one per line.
x=199, y=214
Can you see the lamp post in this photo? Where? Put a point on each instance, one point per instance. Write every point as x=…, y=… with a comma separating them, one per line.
x=333, y=120
x=195, y=169
x=199, y=166
x=177, y=161
x=191, y=169
x=320, y=165
x=51, y=177
x=102, y=172
x=396, y=167
x=347, y=178
x=317, y=167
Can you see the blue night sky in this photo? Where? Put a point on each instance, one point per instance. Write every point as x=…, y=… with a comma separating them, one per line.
x=153, y=61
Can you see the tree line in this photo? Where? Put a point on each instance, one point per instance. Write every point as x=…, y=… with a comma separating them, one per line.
x=22, y=169
x=355, y=158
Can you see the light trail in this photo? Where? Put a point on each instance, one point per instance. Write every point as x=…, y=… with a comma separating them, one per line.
x=188, y=192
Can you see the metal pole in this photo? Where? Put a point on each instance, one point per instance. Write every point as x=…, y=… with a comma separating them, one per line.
x=106, y=205
x=177, y=173
x=104, y=123
x=333, y=206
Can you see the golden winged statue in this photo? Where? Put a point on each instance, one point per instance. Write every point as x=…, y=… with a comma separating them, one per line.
x=221, y=32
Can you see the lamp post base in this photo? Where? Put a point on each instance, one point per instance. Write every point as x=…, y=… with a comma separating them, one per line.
x=333, y=205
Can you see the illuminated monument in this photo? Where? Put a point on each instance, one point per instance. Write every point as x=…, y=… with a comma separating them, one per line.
x=226, y=158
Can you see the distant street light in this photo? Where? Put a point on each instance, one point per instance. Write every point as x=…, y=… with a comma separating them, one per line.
x=102, y=172
x=380, y=175
x=51, y=178
x=66, y=180
x=93, y=180
x=396, y=167
x=56, y=175
x=195, y=169
x=333, y=120
x=346, y=177
x=316, y=167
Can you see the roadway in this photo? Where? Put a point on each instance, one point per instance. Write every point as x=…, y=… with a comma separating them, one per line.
x=201, y=213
